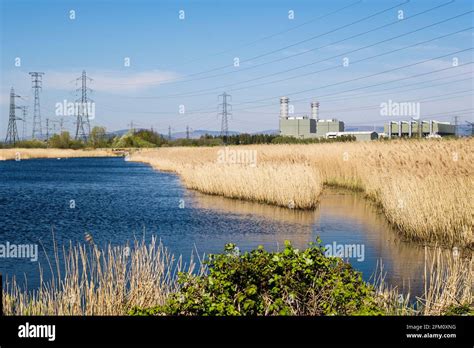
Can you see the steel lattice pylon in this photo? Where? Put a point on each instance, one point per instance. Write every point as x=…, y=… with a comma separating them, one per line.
x=225, y=108
x=83, y=127
x=12, y=131
x=37, y=82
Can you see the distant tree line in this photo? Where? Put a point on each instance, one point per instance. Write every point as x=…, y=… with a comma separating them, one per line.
x=144, y=138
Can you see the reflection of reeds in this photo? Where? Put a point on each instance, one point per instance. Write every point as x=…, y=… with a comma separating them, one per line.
x=424, y=187
x=245, y=208
x=100, y=281
x=8, y=154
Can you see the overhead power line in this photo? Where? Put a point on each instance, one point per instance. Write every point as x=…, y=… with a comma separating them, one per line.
x=270, y=36
x=360, y=20
x=384, y=91
x=254, y=66
x=439, y=97
x=201, y=92
x=211, y=111
x=361, y=77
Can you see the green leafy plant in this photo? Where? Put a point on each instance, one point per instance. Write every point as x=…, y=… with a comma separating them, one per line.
x=288, y=282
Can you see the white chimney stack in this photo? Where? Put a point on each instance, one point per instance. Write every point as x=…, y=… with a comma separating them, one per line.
x=284, y=107
x=315, y=110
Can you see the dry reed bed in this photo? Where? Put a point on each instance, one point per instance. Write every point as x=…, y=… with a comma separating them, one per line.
x=18, y=153
x=294, y=186
x=424, y=187
x=449, y=282
x=113, y=280
x=97, y=281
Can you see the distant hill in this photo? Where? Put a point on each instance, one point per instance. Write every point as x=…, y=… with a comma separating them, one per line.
x=268, y=132
x=349, y=128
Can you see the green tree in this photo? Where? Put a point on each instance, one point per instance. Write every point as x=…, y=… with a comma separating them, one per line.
x=60, y=141
x=98, y=137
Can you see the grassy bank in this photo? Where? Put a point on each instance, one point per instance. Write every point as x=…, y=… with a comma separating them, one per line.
x=424, y=187
x=145, y=279
x=19, y=153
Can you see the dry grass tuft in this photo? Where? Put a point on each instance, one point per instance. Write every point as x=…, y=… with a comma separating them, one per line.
x=448, y=284
x=100, y=281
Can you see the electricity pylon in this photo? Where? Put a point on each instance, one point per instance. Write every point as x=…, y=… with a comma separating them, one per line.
x=37, y=85
x=225, y=108
x=12, y=131
x=83, y=127
x=24, y=117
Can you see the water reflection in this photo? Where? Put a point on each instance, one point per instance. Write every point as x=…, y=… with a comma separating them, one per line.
x=342, y=218
x=270, y=225
x=350, y=218
x=235, y=206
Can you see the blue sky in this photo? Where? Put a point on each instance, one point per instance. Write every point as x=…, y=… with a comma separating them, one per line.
x=189, y=62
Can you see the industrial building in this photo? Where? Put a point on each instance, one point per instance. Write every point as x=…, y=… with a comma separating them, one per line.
x=409, y=129
x=306, y=127
x=310, y=127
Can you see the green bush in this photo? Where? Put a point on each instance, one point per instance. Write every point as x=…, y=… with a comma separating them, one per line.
x=289, y=282
x=150, y=137
x=131, y=140
x=61, y=141
x=31, y=144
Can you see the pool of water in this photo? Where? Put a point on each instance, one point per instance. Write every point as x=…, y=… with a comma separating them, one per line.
x=116, y=201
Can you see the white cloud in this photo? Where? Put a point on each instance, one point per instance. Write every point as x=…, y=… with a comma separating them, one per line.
x=103, y=81
x=109, y=81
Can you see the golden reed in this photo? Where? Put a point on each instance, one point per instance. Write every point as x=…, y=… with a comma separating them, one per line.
x=424, y=187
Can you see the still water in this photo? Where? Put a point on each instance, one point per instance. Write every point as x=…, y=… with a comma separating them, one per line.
x=116, y=201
